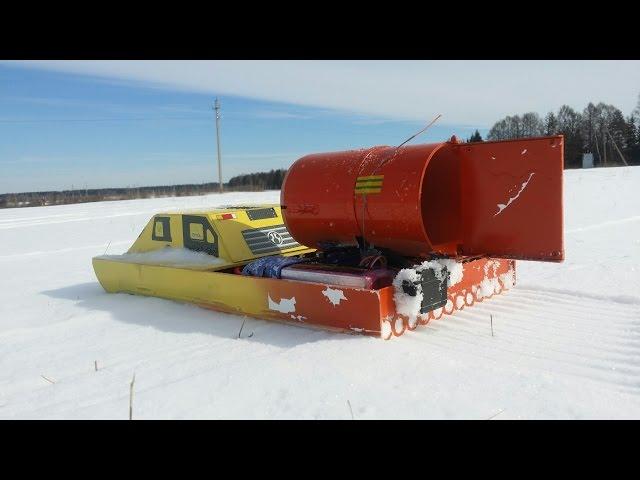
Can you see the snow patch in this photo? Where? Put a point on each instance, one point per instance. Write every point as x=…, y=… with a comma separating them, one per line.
x=385, y=330
x=53, y=302
x=398, y=325
x=448, y=308
x=454, y=268
x=488, y=287
x=508, y=279
x=285, y=305
x=176, y=257
x=334, y=295
x=406, y=304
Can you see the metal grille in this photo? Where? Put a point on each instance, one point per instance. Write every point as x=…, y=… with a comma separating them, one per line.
x=269, y=239
x=434, y=291
x=261, y=213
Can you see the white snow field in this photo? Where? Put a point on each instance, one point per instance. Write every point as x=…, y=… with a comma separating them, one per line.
x=566, y=340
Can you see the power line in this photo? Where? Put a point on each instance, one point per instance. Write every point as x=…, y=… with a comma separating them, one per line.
x=61, y=120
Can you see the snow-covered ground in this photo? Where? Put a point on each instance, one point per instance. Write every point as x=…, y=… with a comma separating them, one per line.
x=566, y=340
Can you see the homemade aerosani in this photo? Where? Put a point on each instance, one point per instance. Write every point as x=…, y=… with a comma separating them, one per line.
x=373, y=241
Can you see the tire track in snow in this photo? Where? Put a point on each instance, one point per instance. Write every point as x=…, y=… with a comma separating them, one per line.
x=597, y=226
x=19, y=256
x=557, y=344
x=569, y=296
x=562, y=338
x=506, y=357
x=28, y=223
x=536, y=333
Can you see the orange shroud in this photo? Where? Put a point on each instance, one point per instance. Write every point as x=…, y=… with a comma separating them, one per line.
x=340, y=308
x=499, y=199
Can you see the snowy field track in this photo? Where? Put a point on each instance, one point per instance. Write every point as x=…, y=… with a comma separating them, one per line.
x=565, y=341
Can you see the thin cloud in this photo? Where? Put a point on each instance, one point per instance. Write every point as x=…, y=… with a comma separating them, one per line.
x=277, y=115
x=465, y=92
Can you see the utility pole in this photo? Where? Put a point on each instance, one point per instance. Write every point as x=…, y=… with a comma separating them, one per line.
x=216, y=107
x=616, y=147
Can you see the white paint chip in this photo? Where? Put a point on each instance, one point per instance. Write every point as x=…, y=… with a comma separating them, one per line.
x=334, y=295
x=502, y=206
x=286, y=305
x=523, y=151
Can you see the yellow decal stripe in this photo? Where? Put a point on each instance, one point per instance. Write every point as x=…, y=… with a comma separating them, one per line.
x=369, y=184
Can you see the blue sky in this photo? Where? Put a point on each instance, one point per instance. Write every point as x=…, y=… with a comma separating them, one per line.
x=101, y=124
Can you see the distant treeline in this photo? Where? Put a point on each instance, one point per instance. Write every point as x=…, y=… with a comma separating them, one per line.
x=600, y=129
x=271, y=180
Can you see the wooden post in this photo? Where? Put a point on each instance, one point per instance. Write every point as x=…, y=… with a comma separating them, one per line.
x=617, y=149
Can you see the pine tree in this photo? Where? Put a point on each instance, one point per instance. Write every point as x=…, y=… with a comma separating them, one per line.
x=476, y=137
x=590, y=117
x=550, y=124
x=570, y=125
x=630, y=132
x=632, y=141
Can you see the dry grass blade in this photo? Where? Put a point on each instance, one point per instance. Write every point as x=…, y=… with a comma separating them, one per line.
x=133, y=381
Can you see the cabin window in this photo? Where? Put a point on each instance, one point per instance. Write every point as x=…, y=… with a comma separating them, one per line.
x=161, y=229
x=199, y=235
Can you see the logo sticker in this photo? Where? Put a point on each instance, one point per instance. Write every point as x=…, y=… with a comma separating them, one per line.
x=275, y=238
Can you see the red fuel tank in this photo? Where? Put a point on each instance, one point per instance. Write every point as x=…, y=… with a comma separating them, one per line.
x=499, y=198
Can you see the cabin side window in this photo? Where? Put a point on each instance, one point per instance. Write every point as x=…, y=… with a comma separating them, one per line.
x=161, y=229
x=198, y=234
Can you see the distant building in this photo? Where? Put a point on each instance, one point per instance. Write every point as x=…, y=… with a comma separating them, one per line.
x=587, y=160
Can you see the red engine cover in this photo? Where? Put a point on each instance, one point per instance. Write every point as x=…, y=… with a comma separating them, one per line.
x=500, y=199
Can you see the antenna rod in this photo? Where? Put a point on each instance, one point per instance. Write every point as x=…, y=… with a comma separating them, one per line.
x=384, y=160
x=216, y=107
x=416, y=134
x=395, y=151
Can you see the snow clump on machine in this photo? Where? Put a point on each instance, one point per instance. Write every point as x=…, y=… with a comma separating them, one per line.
x=176, y=257
x=408, y=305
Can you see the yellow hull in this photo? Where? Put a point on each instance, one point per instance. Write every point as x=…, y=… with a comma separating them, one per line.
x=336, y=308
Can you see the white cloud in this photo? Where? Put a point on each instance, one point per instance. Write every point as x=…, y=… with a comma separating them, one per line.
x=466, y=92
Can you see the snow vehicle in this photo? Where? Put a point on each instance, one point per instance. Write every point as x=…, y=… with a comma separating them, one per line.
x=373, y=241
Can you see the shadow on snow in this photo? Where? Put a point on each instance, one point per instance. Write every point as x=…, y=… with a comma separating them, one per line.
x=175, y=317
